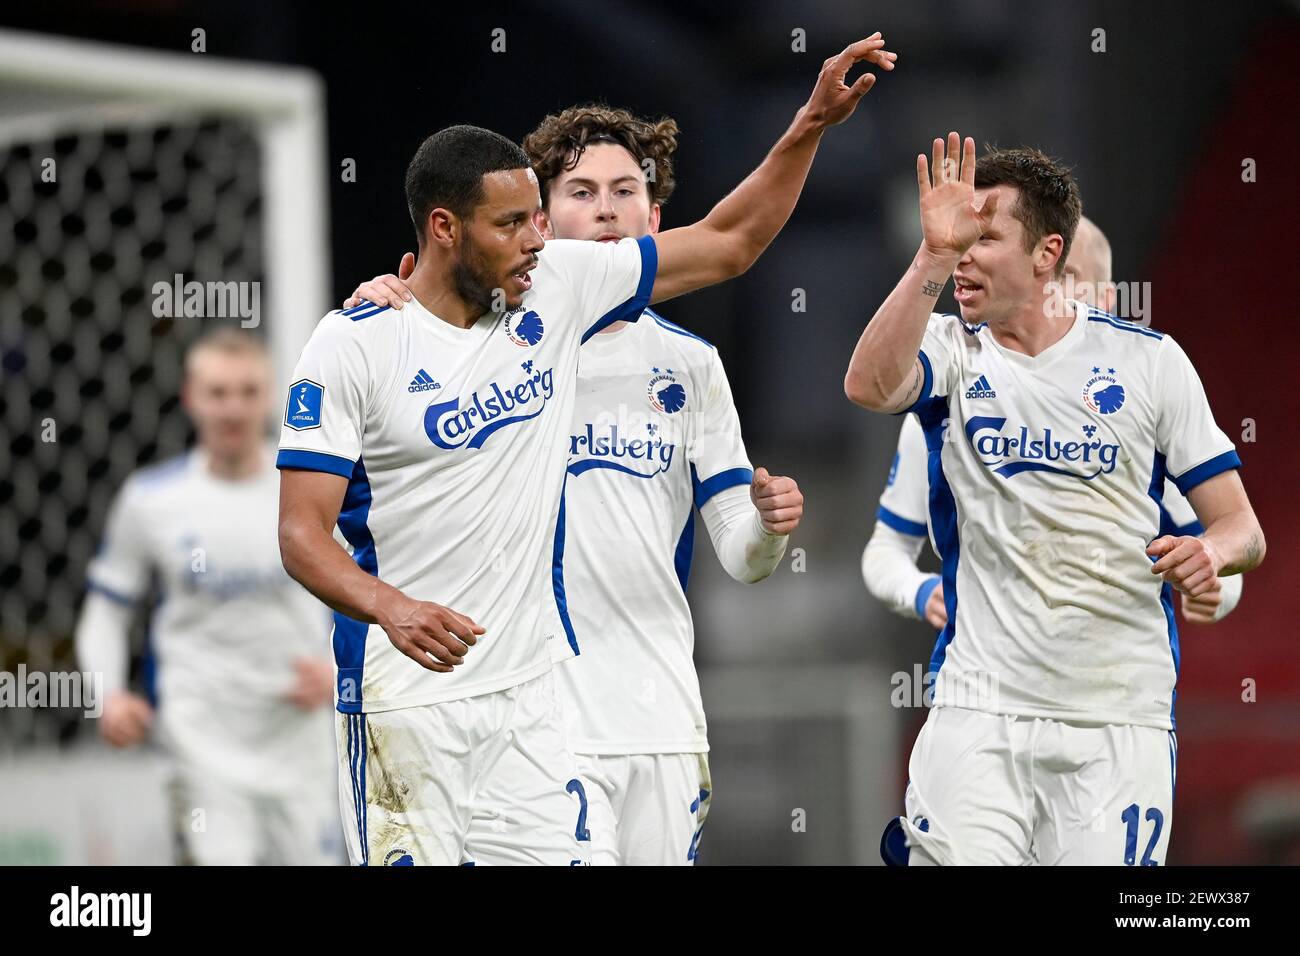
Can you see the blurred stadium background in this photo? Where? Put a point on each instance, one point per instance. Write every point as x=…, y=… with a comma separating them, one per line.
x=227, y=165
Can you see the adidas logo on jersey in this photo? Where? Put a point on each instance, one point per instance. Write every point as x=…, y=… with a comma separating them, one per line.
x=981, y=389
x=423, y=382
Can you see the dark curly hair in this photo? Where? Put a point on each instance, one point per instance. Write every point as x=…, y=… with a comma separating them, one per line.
x=557, y=145
x=1049, y=197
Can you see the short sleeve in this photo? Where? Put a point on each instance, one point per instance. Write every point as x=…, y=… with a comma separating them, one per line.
x=717, y=450
x=324, y=414
x=611, y=281
x=120, y=569
x=1194, y=447
x=904, y=502
x=938, y=355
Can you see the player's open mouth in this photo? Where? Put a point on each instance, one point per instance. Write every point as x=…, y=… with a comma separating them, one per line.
x=524, y=280
x=966, y=290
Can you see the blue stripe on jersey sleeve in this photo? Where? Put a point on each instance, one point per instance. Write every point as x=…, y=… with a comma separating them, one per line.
x=365, y=310
x=1206, y=470
x=365, y=315
x=315, y=461
x=1123, y=325
x=706, y=489
x=117, y=597
x=926, y=383
x=672, y=327
x=899, y=523
x=923, y=594
x=631, y=309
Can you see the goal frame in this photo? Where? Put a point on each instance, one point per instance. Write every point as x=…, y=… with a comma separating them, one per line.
x=52, y=83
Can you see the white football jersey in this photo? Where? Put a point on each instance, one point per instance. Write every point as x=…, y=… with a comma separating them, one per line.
x=230, y=621
x=655, y=435
x=452, y=441
x=1046, y=476
x=904, y=504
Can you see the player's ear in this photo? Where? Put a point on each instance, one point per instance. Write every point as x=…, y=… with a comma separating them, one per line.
x=655, y=212
x=443, y=227
x=542, y=222
x=1048, y=253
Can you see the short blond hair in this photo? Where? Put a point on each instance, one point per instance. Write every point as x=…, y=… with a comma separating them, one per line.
x=230, y=341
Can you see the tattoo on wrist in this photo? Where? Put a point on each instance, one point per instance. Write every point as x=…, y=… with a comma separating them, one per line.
x=932, y=288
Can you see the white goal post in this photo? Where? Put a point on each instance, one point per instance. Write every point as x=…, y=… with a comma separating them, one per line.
x=48, y=83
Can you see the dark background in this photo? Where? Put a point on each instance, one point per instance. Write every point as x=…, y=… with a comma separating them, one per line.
x=1156, y=128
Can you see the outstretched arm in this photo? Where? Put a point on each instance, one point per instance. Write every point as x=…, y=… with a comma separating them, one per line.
x=727, y=241
x=885, y=374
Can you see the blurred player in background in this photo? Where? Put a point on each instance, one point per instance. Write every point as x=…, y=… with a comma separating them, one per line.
x=244, y=680
x=889, y=561
x=1051, y=428
x=655, y=435
x=449, y=487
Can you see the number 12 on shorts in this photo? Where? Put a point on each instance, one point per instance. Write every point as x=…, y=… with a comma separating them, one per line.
x=1132, y=816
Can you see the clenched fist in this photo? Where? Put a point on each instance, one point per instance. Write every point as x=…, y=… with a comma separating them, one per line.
x=778, y=500
x=1190, y=564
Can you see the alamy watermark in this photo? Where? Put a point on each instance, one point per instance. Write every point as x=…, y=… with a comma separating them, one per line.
x=1130, y=301
x=81, y=690
x=208, y=300
x=977, y=690
x=128, y=910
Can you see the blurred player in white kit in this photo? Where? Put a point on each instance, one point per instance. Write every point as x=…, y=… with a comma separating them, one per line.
x=243, y=677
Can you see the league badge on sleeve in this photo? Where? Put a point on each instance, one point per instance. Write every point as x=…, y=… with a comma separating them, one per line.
x=303, y=410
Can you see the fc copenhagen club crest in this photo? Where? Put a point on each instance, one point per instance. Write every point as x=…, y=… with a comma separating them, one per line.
x=666, y=394
x=1103, y=393
x=524, y=329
